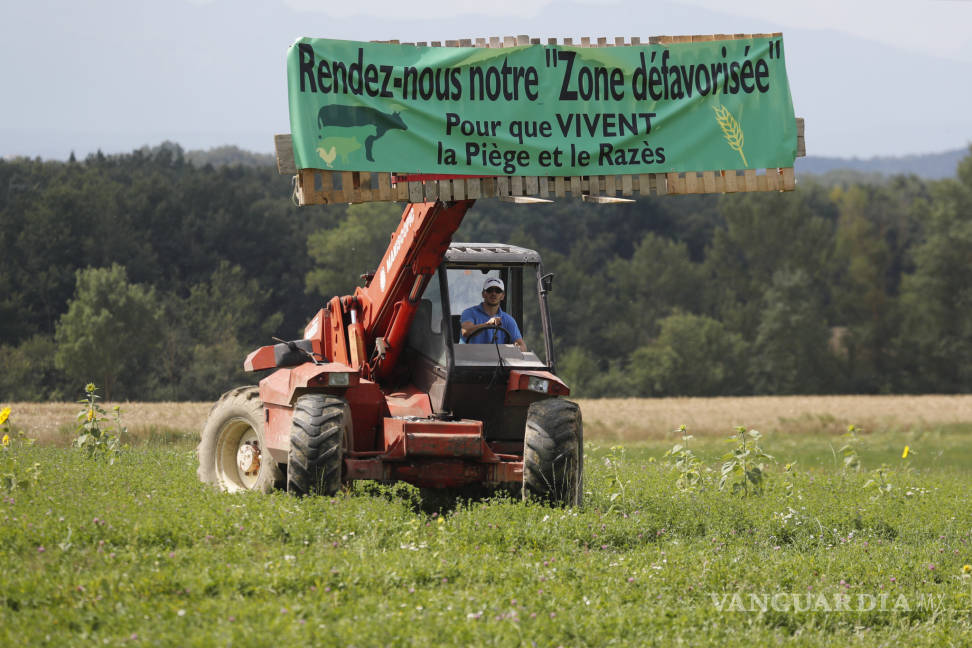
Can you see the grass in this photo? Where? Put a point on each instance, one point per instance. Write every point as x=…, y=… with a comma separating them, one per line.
x=140, y=553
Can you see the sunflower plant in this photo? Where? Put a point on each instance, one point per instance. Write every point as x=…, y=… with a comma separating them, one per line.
x=743, y=468
x=5, y=428
x=849, y=450
x=96, y=438
x=615, y=462
x=14, y=473
x=692, y=474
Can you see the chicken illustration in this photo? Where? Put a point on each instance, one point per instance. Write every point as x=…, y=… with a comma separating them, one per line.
x=327, y=156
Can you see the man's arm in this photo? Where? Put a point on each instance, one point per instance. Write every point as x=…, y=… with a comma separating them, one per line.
x=469, y=329
x=515, y=332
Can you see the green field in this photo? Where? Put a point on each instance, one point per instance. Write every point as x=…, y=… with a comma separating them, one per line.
x=140, y=553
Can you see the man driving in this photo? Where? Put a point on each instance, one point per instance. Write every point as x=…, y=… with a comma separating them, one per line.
x=479, y=323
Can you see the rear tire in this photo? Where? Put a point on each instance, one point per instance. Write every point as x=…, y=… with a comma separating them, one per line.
x=318, y=437
x=553, y=453
x=233, y=454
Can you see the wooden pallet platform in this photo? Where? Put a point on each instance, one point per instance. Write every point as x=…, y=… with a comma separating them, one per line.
x=319, y=187
x=315, y=187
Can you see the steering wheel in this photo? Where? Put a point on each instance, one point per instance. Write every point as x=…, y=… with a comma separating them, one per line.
x=509, y=336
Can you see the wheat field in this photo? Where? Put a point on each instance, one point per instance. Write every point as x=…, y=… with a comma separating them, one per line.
x=639, y=419
x=621, y=419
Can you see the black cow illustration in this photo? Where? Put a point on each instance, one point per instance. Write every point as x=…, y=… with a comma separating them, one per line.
x=352, y=116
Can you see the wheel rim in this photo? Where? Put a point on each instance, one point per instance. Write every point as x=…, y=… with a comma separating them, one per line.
x=239, y=457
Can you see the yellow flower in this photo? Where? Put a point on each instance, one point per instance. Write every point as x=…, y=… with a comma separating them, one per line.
x=966, y=569
x=6, y=441
x=90, y=415
x=904, y=455
x=4, y=415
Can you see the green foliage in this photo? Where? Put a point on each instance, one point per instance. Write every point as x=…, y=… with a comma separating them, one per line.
x=657, y=279
x=849, y=451
x=880, y=481
x=219, y=322
x=765, y=237
x=95, y=438
x=170, y=225
x=578, y=368
x=17, y=475
x=861, y=287
x=790, y=354
x=789, y=474
x=693, y=355
x=743, y=468
x=28, y=371
x=936, y=300
x=868, y=229
x=618, y=484
x=352, y=248
x=111, y=328
x=692, y=473
x=588, y=375
x=229, y=304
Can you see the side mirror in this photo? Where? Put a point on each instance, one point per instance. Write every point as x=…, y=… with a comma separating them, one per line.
x=546, y=282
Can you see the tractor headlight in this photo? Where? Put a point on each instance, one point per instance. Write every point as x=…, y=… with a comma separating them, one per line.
x=339, y=379
x=541, y=385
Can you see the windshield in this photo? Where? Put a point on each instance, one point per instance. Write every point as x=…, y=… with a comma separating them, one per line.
x=520, y=300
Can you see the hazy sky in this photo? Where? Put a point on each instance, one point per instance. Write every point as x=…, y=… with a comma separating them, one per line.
x=871, y=78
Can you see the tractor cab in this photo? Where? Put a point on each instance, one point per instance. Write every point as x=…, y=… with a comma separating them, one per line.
x=470, y=380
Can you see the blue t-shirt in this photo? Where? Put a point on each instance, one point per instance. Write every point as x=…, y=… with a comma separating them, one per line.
x=477, y=315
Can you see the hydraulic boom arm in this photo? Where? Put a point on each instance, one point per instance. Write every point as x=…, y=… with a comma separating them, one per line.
x=383, y=310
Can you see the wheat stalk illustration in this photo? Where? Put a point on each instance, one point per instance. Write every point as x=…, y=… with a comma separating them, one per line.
x=731, y=130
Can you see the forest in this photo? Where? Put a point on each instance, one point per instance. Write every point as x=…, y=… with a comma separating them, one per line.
x=153, y=275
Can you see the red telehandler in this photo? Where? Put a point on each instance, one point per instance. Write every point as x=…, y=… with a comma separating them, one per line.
x=382, y=388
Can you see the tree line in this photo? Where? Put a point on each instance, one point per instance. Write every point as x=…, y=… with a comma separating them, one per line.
x=154, y=275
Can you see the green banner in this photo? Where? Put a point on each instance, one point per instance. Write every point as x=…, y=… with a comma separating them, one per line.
x=540, y=109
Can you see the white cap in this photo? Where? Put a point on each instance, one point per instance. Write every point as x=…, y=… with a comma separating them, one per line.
x=492, y=282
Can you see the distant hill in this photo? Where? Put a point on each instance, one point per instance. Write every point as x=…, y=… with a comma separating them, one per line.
x=931, y=166
x=230, y=155
x=216, y=156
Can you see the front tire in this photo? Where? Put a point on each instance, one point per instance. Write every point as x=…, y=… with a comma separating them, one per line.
x=318, y=438
x=553, y=453
x=233, y=454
